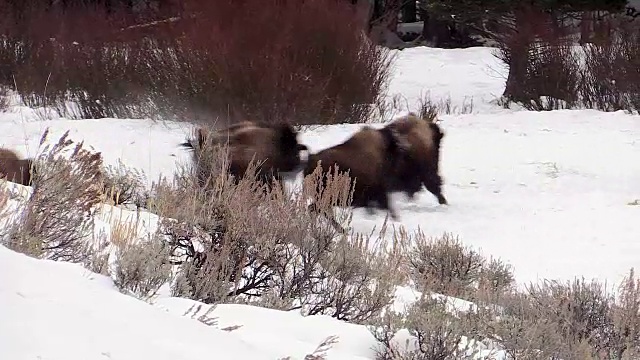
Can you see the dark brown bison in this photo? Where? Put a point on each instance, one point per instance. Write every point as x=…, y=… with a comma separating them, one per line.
x=273, y=147
x=15, y=169
x=419, y=164
x=368, y=156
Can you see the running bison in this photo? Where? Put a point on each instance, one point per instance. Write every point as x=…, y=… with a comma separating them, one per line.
x=419, y=165
x=368, y=156
x=15, y=169
x=400, y=157
x=273, y=147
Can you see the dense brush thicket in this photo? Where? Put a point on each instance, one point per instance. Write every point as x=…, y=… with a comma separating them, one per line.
x=306, y=62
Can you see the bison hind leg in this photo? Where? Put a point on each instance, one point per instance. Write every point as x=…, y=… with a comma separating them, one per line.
x=384, y=202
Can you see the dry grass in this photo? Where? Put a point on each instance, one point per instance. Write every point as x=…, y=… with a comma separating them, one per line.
x=427, y=107
x=6, y=214
x=320, y=353
x=123, y=231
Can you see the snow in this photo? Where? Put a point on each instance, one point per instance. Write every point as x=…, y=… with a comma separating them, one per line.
x=551, y=193
x=303, y=334
x=61, y=311
x=546, y=191
x=143, y=144
x=463, y=76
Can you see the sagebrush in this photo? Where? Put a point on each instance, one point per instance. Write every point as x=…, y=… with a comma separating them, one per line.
x=57, y=219
x=245, y=244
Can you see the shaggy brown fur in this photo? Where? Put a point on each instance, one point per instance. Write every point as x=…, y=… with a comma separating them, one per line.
x=420, y=164
x=367, y=155
x=273, y=147
x=14, y=169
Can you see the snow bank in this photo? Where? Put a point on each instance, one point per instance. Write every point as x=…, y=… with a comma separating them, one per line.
x=271, y=329
x=61, y=311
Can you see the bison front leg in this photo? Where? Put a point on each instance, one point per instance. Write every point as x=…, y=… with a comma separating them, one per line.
x=433, y=183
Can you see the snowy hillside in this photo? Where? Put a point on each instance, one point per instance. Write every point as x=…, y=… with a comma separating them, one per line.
x=552, y=193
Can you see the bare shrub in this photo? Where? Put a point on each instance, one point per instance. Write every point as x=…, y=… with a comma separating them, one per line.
x=584, y=310
x=428, y=109
x=626, y=319
x=246, y=245
x=142, y=267
x=280, y=70
x=574, y=320
x=437, y=332
x=123, y=185
x=58, y=216
x=611, y=80
x=314, y=65
x=496, y=277
x=444, y=265
x=544, y=70
x=328, y=190
x=68, y=60
x=523, y=330
x=353, y=280
x=547, y=72
x=97, y=261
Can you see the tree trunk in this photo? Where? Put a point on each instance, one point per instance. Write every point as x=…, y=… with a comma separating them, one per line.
x=391, y=11
x=409, y=10
x=435, y=32
x=518, y=46
x=586, y=21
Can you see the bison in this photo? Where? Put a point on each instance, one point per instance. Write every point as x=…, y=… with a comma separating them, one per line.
x=419, y=164
x=274, y=148
x=368, y=156
x=15, y=169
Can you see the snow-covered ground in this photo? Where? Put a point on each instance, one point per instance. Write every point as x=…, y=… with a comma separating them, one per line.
x=549, y=192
